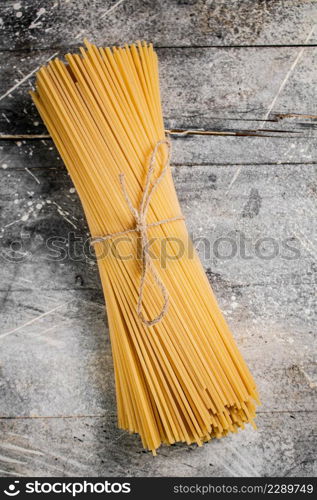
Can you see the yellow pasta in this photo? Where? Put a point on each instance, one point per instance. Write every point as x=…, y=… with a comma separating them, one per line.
x=179, y=374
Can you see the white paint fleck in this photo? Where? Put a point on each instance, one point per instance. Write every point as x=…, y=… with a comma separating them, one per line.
x=4, y=166
x=48, y=202
x=32, y=175
x=16, y=201
x=39, y=206
x=72, y=190
x=63, y=213
x=25, y=217
x=19, y=144
x=30, y=203
x=36, y=124
x=19, y=14
x=17, y=5
x=6, y=118
x=34, y=23
x=10, y=224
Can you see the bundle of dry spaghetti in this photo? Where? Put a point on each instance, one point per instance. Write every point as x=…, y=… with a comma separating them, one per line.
x=179, y=374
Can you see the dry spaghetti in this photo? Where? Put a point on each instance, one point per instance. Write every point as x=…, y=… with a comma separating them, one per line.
x=179, y=374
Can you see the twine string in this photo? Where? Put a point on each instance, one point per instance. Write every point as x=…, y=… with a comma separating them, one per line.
x=141, y=227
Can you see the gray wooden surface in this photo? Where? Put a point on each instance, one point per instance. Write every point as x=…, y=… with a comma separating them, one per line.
x=246, y=71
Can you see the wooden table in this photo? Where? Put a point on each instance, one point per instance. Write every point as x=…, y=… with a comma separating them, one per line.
x=246, y=72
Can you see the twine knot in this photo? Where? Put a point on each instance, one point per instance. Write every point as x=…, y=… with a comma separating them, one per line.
x=141, y=224
x=141, y=227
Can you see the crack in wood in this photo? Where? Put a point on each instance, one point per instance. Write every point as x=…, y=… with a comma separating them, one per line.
x=283, y=116
x=63, y=48
x=176, y=132
x=106, y=415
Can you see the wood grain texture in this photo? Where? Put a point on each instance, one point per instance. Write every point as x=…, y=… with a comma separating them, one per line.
x=284, y=445
x=246, y=69
x=41, y=24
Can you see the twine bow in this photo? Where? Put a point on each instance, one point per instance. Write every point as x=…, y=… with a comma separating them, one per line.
x=141, y=226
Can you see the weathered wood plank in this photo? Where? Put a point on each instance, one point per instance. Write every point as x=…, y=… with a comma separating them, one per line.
x=186, y=150
x=283, y=445
x=270, y=91
x=62, y=361
x=181, y=22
